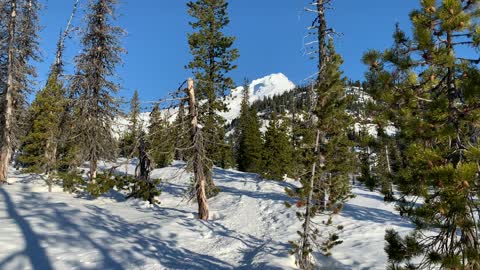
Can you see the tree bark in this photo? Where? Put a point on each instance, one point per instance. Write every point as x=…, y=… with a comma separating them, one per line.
x=6, y=148
x=306, y=227
x=198, y=155
x=93, y=169
x=322, y=65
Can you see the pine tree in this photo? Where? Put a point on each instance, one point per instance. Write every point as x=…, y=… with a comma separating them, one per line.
x=435, y=104
x=39, y=147
x=92, y=86
x=380, y=155
x=160, y=140
x=277, y=153
x=181, y=134
x=65, y=147
x=19, y=48
x=130, y=140
x=135, y=110
x=249, y=138
x=213, y=58
x=326, y=186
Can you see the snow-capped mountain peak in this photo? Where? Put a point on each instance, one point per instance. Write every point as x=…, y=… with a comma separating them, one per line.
x=268, y=86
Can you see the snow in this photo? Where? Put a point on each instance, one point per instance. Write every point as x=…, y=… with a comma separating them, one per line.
x=268, y=86
x=249, y=228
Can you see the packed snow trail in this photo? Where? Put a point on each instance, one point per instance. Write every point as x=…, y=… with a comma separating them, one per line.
x=249, y=228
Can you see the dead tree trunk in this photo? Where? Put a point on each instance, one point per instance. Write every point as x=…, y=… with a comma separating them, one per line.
x=6, y=144
x=61, y=44
x=198, y=154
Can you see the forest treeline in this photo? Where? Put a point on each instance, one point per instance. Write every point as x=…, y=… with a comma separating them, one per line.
x=409, y=130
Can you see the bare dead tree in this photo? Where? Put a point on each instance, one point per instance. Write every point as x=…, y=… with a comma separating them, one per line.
x=58, y=64
x=199, y=155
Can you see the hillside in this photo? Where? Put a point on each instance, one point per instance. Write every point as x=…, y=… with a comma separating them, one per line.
x=268, y=86
x=272, y=85
x=249, y=227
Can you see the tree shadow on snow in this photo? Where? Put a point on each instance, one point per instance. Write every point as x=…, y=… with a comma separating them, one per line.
x=328, y=263
x=107, y=240
x=375, y=215
x=33, y=250
x=276, y=250
x=223, y=177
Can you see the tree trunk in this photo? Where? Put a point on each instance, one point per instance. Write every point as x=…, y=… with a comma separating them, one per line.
x=306, y=227
x=6, y=149
x=322, y=65
x=144, y=161
x=198, y=155
x=387, y=154
x=93, y=169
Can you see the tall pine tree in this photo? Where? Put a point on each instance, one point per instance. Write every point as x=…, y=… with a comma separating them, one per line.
x=438, y=102
x=249, y=138
x=130, y=140
x=181, y=133
x=278, y=152
x=95, y=106
x=160, y=139
x=326, y=186
x=213, y=58
x=39, y=149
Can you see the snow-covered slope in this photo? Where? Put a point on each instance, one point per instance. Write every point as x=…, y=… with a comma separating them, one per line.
x=268, y=86
x=249, y=228
x=274, y=84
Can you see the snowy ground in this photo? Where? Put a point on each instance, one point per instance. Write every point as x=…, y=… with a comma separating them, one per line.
x=249, y=227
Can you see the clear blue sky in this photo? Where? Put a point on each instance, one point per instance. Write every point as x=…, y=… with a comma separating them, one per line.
x=269, y=36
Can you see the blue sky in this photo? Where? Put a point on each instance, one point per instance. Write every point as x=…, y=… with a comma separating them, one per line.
x=269, y=36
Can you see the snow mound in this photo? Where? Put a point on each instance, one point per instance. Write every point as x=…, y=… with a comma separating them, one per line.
x=249, y=228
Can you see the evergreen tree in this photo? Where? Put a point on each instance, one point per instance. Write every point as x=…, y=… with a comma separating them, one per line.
x=160, y=141
x=249, y=138
x=19, y=48
x=326, y=186
x=226, y=155
x=65, y=147
x=380, y=153
x=213, y=58
x=95, y=107
x=277, y=151
x=129, y=142
x=181, y=134
x=39, y=147
x=135, y=110
x=434, y=102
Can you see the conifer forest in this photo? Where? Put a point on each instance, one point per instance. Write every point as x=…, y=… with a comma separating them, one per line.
x=223, y=171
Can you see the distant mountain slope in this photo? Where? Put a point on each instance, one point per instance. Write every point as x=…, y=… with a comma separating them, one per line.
x=269, y=86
